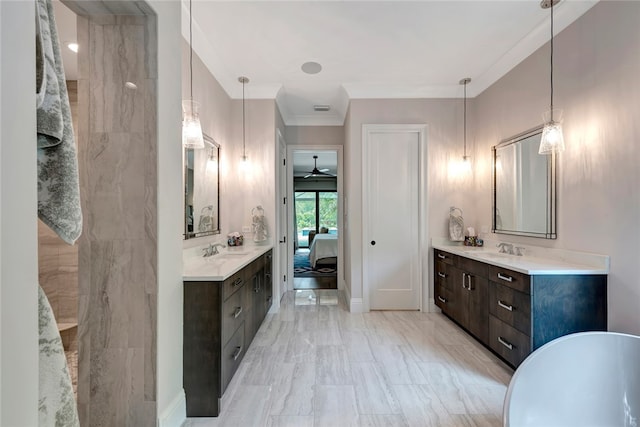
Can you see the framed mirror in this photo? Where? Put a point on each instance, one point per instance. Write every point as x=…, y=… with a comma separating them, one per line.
x=524, y=187
x=202, y=190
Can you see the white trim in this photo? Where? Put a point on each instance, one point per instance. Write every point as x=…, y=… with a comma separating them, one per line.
x=175, y=414
x=423, y=236
x=433, y=308
x=277, y=274
x=341, y=230
x=354, y=304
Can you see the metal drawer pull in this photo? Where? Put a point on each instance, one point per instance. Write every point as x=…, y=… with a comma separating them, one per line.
x=442, y=256
x=503, y=277
x=237, y=282
x=442, y=275
x=505, y=343
x=505, y=306
x=237, y=353
x=442, y=300
x=237, y=312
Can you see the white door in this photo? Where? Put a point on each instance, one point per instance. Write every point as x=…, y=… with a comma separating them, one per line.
x=282, y=217
x=391, y=216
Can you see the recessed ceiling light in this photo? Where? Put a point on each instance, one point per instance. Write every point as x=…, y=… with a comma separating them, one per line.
x=311, y=67
x=73, y=46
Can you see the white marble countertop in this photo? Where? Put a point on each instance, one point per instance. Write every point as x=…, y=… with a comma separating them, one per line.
x=536, y=260
x=221, y=266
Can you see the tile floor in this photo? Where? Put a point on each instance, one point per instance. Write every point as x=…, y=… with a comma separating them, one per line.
x=315, y=364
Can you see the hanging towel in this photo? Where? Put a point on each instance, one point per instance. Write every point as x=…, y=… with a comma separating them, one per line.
x=58, y=182
x=56, y=402
x=456, y=225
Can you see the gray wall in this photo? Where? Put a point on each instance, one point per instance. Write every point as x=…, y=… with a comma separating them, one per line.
x=596, y=84
x=445, y=186
x=314, y=135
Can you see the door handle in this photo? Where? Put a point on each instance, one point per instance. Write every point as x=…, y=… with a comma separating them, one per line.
x=373, y=243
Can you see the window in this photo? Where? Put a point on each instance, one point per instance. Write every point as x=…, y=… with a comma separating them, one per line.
x=313, y=210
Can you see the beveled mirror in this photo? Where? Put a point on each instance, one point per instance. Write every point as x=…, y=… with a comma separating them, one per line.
x=202, y=190
x=524, y=187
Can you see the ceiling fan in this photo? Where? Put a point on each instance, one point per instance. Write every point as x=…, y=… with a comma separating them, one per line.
x=316, y=171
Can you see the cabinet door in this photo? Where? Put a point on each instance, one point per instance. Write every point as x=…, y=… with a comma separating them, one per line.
x=250, y=312
x=459, y=303
x=267, y=283
x=258, y=302
x=478, y=290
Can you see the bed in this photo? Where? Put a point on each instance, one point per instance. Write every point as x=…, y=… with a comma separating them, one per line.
x=323, y=249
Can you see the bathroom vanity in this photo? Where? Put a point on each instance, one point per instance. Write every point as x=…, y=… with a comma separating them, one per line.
x=512, y=304
x=226, y=298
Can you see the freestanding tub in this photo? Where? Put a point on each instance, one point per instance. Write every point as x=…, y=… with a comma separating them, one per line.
x=588, y=379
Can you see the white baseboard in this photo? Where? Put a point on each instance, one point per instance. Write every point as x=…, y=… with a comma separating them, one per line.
x=355, y=304
x=175, y=414
x=433, y=308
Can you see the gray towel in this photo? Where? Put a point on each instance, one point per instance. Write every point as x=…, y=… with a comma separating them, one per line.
x=58, y=182
x=56, y=402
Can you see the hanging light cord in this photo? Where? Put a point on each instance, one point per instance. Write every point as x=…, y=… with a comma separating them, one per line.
x=551, y=64
x=465, y=119
x=244, y=151
x=190, y=52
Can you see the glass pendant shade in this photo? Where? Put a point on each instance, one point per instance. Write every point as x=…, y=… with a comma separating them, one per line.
x=191, y=129
x=552, y=139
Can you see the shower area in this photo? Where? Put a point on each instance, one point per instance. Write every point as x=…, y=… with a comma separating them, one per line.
x=103, y=289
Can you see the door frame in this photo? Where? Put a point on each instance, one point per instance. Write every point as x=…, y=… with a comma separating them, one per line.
x=282, y=213
x=290, y=206
x=423, y=201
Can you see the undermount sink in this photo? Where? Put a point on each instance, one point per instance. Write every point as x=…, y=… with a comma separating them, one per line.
x=497, y=256
x=227, y=256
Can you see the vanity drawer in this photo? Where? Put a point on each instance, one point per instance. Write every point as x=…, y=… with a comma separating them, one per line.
x=233, y=312
x=508, y=342
x=513, y=279
x=442, y=297
x=510, y=306
x=443, y=256
x=232, y=355
x=442, y=274
x=232, y=284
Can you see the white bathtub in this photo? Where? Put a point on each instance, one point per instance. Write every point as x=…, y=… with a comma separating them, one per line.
x=586, y=379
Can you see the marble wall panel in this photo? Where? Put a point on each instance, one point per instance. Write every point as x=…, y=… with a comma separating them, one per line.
x=118, y=259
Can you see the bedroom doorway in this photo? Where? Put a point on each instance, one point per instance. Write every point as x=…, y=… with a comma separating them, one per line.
x=315, y=217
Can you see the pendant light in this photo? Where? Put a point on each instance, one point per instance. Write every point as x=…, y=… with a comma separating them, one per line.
x=243, y=80
x=191, y=128
x=466, y=160
x=552, y=140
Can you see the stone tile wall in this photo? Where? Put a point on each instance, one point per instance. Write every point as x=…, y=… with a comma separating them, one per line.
x=118, y=249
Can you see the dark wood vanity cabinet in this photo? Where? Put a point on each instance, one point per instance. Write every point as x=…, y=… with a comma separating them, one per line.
x=514, y=313
x=462, y=292
x=220, y=322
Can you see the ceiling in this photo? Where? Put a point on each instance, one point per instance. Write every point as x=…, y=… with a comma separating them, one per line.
x=367, y=49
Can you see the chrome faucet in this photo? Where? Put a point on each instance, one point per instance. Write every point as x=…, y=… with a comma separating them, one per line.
x=505, y=248
x=212, y=249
